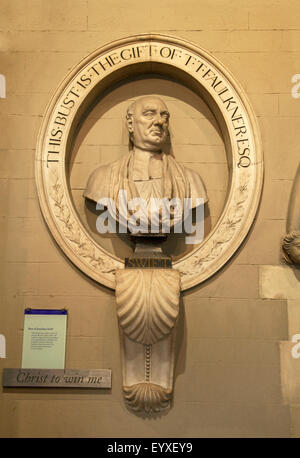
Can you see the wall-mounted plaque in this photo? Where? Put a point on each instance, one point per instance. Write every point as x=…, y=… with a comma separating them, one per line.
x=44, y=339
x=56, y=378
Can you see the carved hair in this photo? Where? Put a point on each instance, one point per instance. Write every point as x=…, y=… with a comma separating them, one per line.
x=129, y=117
x=287, y=245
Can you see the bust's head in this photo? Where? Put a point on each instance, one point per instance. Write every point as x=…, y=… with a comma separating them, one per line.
x=291, y=248
x=147, y=123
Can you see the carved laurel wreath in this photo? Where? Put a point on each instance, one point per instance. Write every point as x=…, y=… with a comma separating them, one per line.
x=80, y=243
x=224, y=233
x=85, y=249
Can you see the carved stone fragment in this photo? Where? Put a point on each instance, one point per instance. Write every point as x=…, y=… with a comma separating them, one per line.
x=291, y=241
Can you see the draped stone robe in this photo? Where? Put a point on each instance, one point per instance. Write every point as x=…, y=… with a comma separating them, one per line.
x=149, y=176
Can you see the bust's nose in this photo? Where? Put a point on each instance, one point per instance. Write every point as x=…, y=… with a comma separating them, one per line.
x=158, y=120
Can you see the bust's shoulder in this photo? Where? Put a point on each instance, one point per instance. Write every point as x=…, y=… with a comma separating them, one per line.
x=99, y=172
x=97, y=183
x=197, y=185
x=191, y=173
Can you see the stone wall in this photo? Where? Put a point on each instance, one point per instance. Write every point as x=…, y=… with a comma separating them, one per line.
x=231, y=377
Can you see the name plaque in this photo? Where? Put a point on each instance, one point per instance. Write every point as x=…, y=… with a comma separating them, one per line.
x=148, y=263
x=56, y=378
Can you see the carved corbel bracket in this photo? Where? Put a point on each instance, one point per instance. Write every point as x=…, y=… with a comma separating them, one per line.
x=147, y=309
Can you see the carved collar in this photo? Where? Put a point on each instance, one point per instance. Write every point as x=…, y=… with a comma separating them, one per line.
x=145, y=166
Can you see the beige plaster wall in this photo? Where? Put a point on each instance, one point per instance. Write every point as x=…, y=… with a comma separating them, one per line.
x=228, y=372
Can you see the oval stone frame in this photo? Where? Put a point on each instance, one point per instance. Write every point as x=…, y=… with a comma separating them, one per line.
x=206, y=76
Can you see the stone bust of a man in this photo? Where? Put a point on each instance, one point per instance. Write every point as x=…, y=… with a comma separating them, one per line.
x=147, y=171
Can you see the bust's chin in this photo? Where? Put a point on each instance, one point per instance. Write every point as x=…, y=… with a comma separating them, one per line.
x=152, y=147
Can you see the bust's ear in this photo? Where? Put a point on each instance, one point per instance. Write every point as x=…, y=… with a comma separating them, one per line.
x=129, y=122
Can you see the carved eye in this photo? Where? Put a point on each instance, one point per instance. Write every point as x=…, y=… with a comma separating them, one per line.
x=148, y=114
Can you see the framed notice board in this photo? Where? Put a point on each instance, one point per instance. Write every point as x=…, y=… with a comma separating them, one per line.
x=44, y=339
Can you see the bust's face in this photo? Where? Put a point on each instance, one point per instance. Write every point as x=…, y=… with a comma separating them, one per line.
x=150, y=124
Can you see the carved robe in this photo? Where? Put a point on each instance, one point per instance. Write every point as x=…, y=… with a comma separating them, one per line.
x=148, y=176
